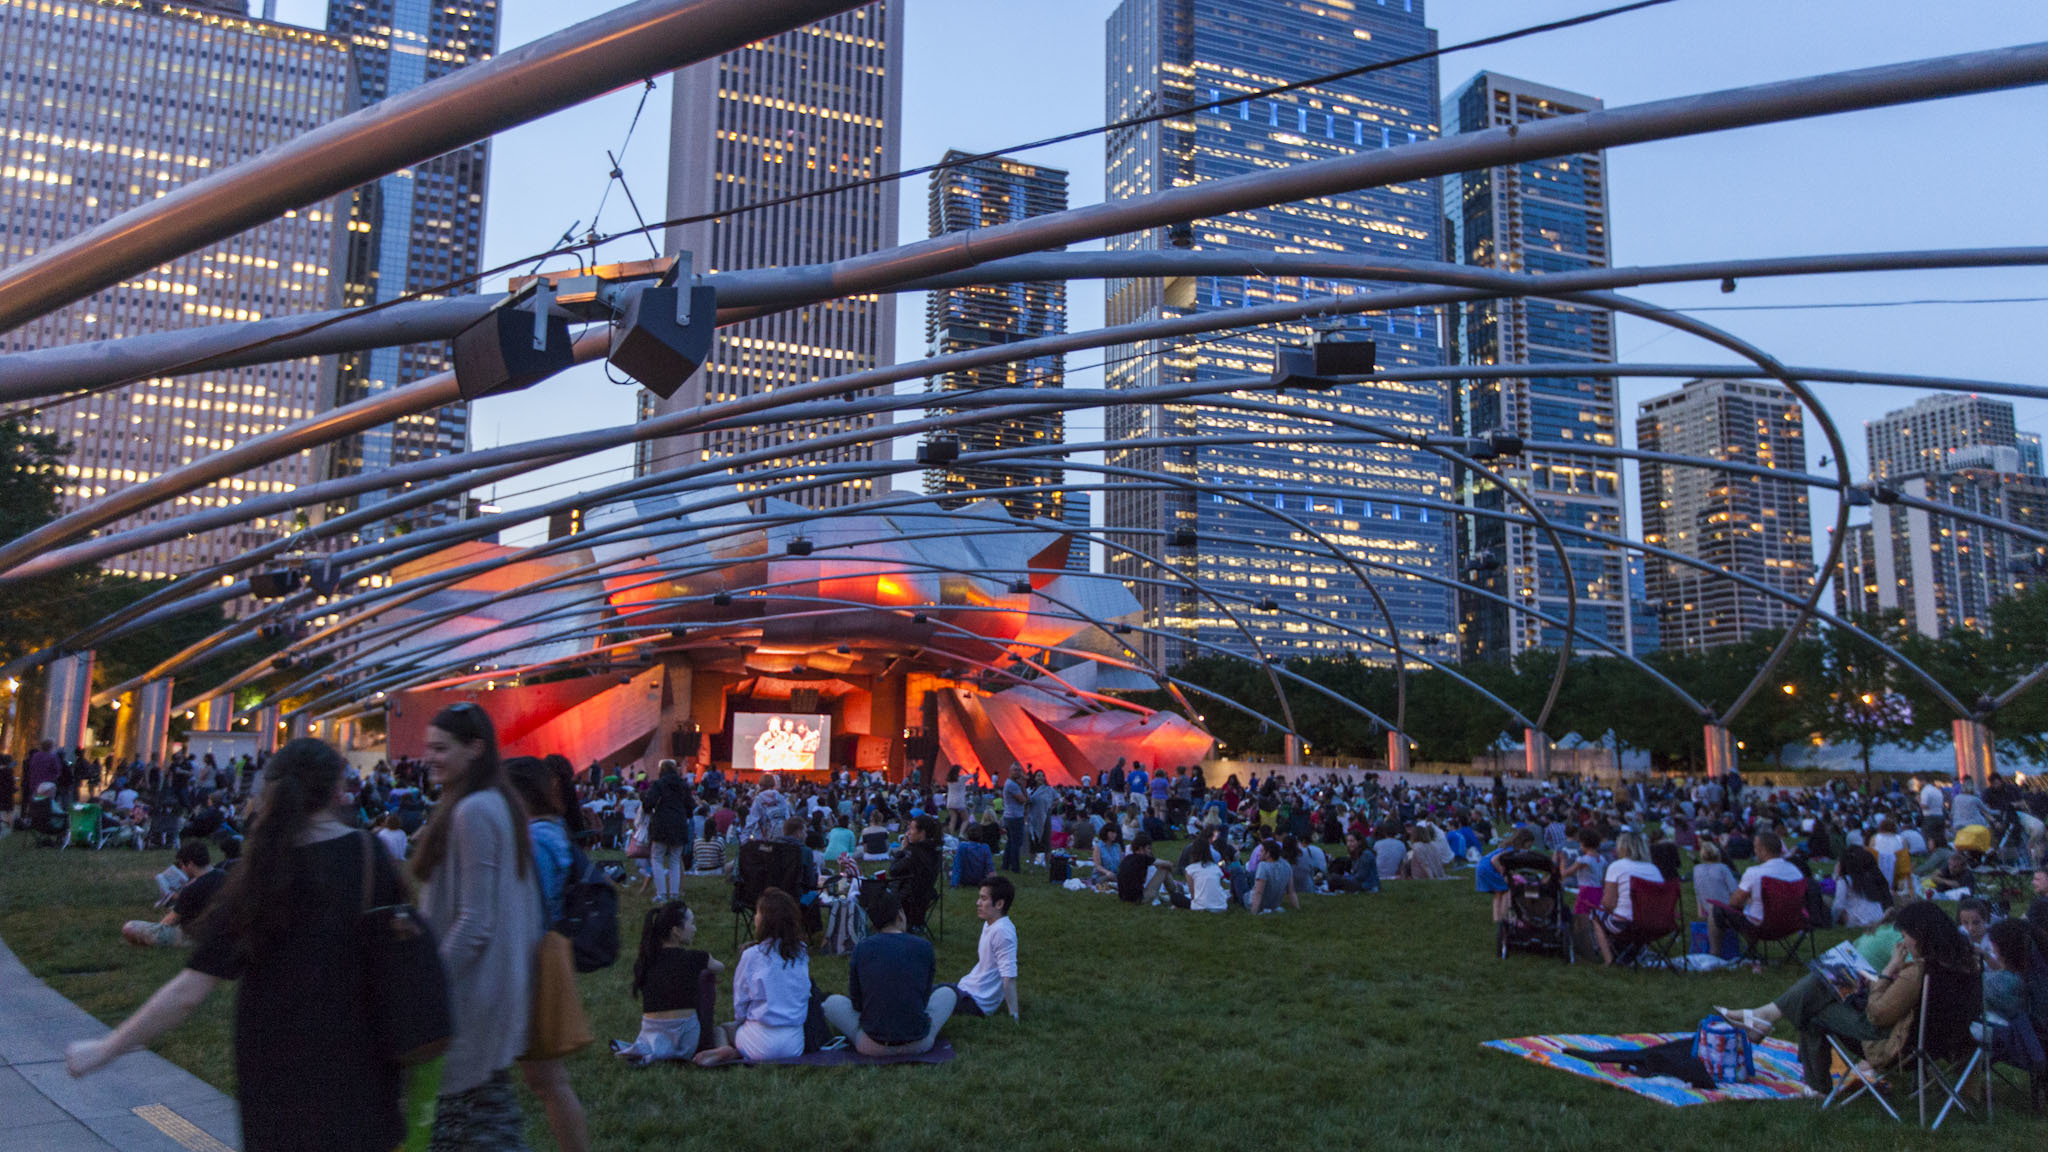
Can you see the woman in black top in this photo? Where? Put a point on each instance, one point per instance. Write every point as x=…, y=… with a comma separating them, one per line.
x=665, y=978
x=306, y=1074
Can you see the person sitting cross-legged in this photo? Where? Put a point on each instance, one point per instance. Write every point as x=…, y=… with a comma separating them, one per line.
x=1141, y=875
x=891, y=1008
x=202, y=882
x=992, y=982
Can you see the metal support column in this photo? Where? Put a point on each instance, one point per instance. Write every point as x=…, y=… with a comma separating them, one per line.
x=1535, y=754
x=1975, y=757
x=214, y=714
x=266, y=729
x=1720, y=752
x=153, y=721
x=1397, y=752
x=67, y=694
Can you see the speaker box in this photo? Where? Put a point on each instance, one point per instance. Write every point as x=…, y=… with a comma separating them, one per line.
x=496, y=354
x=649, y=346
x=274, y=585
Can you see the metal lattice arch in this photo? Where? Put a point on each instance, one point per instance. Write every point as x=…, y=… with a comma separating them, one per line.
x=707, y=579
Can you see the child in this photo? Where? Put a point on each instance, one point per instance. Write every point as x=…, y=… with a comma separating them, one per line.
x=665, y=978
x=1487, y=876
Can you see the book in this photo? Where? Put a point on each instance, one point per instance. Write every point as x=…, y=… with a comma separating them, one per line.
x=1844, y=967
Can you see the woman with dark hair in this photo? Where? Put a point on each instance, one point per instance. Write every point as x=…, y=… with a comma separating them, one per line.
x=1931, y=949
x=539, y=789
x=474, y=862
x=771, y=988
x=666, y=973
x=669, y=804
x=1862, y=891
x=306, y=1070
x=565, y=794
x=2017, y=952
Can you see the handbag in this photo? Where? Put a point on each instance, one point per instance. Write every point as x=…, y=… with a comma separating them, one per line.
x=636, y=845
x=405, y=989
x=1725, y=1050
x=558, y=1025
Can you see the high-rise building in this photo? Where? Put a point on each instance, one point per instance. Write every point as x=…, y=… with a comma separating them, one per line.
x=1540, y=216
x=1936, y=573
x=1642, y=616
x=1856, y=586
x=1744, y=524
x=982, y=194
x=108, y=104
x=1919, y=437
x=1079, y=509
x=420, y=229
x=807, y=109
x=2029, y=444
x=1168, y=55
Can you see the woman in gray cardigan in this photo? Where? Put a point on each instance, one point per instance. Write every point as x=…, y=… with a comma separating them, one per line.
x=475, y=867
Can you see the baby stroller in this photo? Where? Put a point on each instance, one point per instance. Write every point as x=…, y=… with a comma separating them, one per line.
x=1538, y=920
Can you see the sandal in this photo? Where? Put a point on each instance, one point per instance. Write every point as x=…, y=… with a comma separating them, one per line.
x=1747, y=1020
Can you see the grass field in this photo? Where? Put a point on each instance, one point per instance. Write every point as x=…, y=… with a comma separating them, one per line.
x=1357, y=1021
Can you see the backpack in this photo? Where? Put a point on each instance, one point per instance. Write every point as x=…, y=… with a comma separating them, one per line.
x=590, y=913
x=1725, y=1051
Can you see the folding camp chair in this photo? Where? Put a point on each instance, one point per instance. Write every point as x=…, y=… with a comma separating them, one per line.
x=1785, y=923
x=1653, y=925
x=84, y=827
x=2021, y=1043
x=1946, y=1050
x=761, y=865
x=1856, y=1082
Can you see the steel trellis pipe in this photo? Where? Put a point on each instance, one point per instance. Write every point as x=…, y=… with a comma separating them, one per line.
x=608, y=51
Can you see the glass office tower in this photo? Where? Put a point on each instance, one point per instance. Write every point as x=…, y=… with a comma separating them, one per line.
x=983, y=194
x=809, y=109
x=1538, y=216
x=106, y=106
x=418, y=229
x=1172, y=54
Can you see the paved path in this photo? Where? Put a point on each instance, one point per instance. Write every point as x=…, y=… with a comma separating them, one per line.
x=140, y=1102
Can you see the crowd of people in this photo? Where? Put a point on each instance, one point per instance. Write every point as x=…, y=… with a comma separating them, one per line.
x=277, y=856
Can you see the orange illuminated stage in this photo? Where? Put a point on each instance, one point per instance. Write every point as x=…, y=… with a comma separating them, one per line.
x=924, y=635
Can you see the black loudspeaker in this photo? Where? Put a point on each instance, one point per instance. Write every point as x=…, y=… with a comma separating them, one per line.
x=649, y=346
x=274, y=585
x=496, y=354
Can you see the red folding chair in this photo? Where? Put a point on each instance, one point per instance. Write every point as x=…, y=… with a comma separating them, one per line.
x=1653, y=925
x=1785, y=924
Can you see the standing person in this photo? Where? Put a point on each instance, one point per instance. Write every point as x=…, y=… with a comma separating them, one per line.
x=771, y=988
x=992, y=982
x=668, y=831
x=1039, y=813
x=544, y=797
x=41, y=767
x=6, y=793
x=956, y=801
x=890, y=1007
x=474, y=862
x=1015, y=802
x=307, y=1072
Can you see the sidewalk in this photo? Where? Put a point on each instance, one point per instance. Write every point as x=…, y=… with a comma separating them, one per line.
x=140, y=1102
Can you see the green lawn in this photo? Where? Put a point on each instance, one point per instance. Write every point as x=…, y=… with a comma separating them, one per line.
x=1357, y=1021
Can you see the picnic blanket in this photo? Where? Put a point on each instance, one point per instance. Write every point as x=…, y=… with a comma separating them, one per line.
x=941, y=1053
x=1777, y=1068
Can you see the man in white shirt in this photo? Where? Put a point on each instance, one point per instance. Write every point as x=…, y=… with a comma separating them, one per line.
x=1932, y=806
x=992, y=983
x=1747, y=900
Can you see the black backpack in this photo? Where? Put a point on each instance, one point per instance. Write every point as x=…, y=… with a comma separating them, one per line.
x=590, y=913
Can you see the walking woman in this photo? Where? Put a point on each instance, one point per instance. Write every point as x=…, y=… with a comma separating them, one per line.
x=546, y=792
x=306, y=1071
x=475, y=866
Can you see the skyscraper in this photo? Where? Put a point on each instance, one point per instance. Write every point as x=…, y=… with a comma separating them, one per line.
x=107, y=105
x=1919, y=437
x=415, y=230
x=1856, y=586
x=1165, y=55
x=804, y=110
x=1758, y=528
x=982, y=194
x=1539, y=216
x=1935, y=573
x=2029, y=444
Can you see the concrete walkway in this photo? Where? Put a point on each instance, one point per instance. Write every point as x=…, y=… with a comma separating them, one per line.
x=140, y=1102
